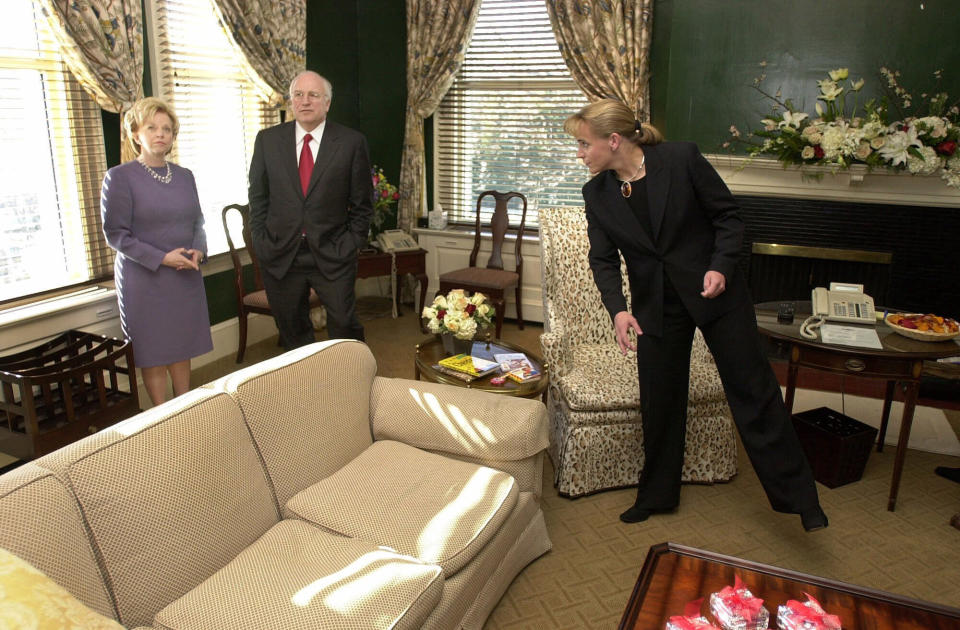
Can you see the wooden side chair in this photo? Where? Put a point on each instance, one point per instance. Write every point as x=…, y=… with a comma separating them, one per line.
x=254, y=301
x=493, y=280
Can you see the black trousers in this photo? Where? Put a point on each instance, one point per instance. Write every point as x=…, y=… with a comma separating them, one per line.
x=753, y=395
x=289, y=299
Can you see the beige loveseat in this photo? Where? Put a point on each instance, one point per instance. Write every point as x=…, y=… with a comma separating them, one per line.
x=302, y=492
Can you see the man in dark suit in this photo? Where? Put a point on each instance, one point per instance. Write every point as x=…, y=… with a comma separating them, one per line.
x=311, y=200
x=667, y=211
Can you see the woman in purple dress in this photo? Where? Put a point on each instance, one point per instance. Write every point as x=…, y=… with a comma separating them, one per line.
x=151, y=216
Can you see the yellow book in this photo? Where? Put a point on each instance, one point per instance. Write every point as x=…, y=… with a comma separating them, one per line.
x=467, y=364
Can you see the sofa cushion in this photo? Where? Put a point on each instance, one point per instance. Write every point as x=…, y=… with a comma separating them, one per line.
x=171, y=496
x=30, y=599
x=41, y=522
x=308, y=410
x=464, y=422
x=298, y=576
x=428, y=506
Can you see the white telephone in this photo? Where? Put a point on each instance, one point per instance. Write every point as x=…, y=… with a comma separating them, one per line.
x=396, y=241
x=842, y=303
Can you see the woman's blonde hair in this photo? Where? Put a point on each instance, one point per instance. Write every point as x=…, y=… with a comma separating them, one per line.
x=143, y=110
x=607, y=117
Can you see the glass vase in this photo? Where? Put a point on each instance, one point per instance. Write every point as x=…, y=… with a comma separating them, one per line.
x=454, y=345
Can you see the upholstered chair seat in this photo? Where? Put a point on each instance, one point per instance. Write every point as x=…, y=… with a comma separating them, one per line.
x=482, y=278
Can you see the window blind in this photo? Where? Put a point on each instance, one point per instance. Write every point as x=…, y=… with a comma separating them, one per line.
x=206, y=81
x=51, y=165
x=500, y=126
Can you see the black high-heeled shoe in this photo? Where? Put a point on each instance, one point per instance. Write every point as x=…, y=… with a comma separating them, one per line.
x=638, y=515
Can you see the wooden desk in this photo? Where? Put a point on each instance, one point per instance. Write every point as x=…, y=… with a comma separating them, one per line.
x=899, y=360
x=673, y=575
x=370, y=265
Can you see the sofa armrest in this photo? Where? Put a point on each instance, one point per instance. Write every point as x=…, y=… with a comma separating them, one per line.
x=456, y=420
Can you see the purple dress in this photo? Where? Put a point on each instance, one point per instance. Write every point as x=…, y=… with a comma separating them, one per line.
x=162, y=310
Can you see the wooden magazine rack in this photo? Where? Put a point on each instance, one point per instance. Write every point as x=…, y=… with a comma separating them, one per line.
x=62, y=390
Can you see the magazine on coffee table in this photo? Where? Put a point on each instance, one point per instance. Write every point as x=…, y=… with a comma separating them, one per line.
x=517, y=366
x=474, y=366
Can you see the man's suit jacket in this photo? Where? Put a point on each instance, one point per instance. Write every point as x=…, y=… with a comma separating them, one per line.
x=335, y=213
x=696, y=228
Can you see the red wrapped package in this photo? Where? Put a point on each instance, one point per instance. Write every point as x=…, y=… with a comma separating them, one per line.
x=691, y=619
x=808, y=615
x=736, y=608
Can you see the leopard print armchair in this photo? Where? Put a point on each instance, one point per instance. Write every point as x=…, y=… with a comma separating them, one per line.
x=593, y=398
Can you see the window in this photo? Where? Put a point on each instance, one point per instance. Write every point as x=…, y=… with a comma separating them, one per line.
x=51, y=164
x=220, y=109
x=500, y=127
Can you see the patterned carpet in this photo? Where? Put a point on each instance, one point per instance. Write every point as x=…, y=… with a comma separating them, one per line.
x=586, y=580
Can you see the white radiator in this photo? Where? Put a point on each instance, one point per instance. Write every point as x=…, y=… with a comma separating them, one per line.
x=93, y=309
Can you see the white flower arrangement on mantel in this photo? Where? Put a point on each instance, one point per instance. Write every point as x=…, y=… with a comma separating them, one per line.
x=859, y=144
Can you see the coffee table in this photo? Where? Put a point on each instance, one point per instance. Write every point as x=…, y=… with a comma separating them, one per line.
x=430, y=351
x=899, y=360
x=673, y=575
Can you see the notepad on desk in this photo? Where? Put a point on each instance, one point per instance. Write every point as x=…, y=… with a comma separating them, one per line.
x=857, y=336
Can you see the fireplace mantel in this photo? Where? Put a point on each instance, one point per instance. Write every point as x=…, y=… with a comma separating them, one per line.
x=767, y=178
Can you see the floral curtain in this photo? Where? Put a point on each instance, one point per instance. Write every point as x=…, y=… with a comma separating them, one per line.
x=606, y=46
x=272, y=35
x=438, y=32
x=102, y=43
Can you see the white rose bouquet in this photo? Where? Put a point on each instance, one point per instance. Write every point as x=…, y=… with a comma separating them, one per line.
x=920, y=144
x=459, y=314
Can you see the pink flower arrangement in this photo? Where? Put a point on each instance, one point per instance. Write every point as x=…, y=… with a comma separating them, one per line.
x=385, y=195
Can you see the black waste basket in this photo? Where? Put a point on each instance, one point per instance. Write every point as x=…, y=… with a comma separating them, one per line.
x=836, y=445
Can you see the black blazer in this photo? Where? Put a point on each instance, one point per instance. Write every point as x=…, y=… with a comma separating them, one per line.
x=335, y=213
x=696, y=228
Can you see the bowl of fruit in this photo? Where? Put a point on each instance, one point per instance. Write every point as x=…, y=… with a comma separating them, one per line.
x=925, y=327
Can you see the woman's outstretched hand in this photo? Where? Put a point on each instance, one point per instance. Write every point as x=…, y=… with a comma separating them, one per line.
x=622, y=324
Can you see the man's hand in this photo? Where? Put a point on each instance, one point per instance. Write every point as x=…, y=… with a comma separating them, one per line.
x=713, y=284
x=622, y=324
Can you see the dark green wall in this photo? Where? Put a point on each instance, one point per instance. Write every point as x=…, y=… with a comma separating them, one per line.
x=706, y=53
x=361, y=48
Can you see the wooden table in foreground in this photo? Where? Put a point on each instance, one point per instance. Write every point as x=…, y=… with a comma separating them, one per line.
x=899, y=360
x=673, y=575
x=430, y=351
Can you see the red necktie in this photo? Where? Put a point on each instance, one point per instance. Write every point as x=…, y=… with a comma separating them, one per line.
x=306, y=164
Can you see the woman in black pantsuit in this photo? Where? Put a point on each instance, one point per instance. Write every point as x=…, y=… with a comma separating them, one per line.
x=666, y=210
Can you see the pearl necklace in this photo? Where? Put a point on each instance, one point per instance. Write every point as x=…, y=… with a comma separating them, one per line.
x=163, y=179
x=625, y=188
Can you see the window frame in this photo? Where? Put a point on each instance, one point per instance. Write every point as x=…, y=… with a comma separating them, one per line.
x=73, y=119
x=158, y=75
x=447, y=132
